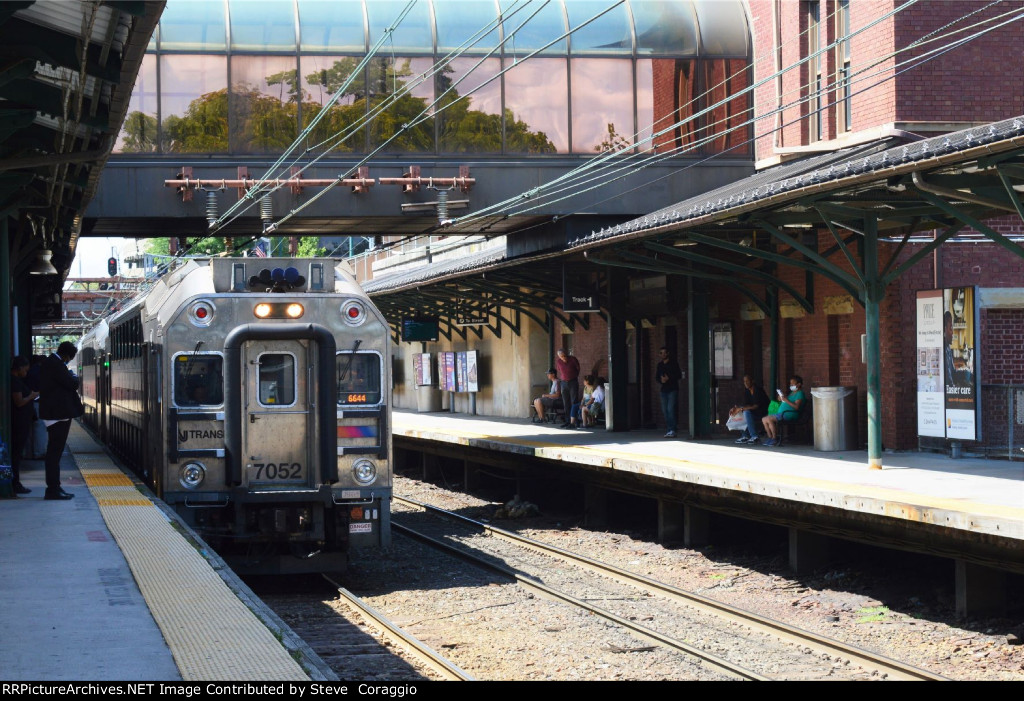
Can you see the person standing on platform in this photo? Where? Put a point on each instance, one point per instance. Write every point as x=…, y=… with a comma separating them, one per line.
x=568, y=384
x=668, y=375
x=58, y=404
x=22, y=416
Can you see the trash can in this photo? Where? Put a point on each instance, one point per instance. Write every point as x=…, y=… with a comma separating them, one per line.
x=428, y=399
x=835, y=418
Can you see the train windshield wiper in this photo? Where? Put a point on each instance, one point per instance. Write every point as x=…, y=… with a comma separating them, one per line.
x=351, y=357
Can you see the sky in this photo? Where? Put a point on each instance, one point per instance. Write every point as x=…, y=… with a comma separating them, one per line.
x=91, y=256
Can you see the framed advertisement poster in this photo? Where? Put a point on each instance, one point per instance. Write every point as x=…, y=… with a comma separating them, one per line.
x=946, y=363
x=422, y=370
x=446, y=371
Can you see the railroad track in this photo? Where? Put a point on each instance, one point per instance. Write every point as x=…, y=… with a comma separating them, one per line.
x=423, y=652
x=811, y=646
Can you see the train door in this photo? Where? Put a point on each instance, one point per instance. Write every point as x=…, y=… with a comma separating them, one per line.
x=278, y=414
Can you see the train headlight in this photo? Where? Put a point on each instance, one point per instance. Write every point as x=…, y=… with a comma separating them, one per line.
x=293, y=311
x=201, y=313
x=365, y=472
x=262, y=311
x=192, y=475
x=353, y=312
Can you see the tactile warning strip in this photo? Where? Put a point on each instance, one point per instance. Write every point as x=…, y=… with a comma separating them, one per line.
x=211, y=633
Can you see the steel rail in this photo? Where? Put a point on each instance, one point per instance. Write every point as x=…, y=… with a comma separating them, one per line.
x=427, y=654
x=895, y=669
x=542, y=589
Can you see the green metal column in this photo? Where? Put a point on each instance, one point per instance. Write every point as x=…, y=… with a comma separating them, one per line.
x=699, y=365
x=618, y=357
x=773, y=339
x=874, y=292
x=5, y=330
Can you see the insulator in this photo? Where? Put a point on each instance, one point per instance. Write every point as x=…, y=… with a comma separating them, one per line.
x=266, y=211
x=442, y=205
x=211, y=207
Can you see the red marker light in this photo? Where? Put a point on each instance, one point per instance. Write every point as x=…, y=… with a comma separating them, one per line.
x=201, y=313
x=353, y=312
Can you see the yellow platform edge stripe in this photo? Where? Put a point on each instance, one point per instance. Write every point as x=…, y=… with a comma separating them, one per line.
x=212, y=635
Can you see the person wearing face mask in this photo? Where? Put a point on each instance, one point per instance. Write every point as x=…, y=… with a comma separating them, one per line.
x=789, y=409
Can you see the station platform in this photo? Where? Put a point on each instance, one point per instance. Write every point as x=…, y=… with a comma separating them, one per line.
x=968, y=509
x=107, y=586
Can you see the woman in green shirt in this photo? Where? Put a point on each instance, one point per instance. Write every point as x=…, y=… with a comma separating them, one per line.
x=789, y=410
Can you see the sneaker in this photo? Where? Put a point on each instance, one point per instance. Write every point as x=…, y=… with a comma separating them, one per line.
x=754, y=441
x=742, y=439
x=770, y=442
x=670, y=434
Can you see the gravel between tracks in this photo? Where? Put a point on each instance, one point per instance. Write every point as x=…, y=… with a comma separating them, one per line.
x=858, y=605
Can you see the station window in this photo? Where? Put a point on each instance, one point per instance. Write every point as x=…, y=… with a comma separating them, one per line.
x=198, y=380
x=277, y=379
x=844, y=96
x=358, y=378
x=816, y=124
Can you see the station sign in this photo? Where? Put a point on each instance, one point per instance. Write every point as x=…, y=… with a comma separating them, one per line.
x=580, y=291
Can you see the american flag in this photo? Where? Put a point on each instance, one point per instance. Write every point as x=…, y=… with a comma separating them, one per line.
x=259, y=250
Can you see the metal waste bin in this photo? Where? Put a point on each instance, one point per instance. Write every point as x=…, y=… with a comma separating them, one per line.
x=428, y=398
x=835, y=418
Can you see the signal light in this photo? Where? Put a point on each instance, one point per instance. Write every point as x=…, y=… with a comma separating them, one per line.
x=112, y=266
x=278, y=310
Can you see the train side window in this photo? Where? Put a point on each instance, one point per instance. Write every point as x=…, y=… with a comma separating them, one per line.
x=277, y=379
x=198, y=380
x=358, y=378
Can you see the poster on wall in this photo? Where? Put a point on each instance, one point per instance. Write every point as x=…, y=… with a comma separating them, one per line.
x=959, y=341
x=946, y=363
x=466, y=372
x=472, y=375
x=421, y=369
x=931, y=410
x=446, y=371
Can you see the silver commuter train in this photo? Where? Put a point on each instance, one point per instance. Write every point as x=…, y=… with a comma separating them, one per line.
x=252, y=395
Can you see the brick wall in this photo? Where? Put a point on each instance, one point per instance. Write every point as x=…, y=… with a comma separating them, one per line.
x=979, y=81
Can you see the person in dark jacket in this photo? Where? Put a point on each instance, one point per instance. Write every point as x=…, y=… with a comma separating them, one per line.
x=58, y=404
x=22, y=416
x=667, y=375
x=754, y=407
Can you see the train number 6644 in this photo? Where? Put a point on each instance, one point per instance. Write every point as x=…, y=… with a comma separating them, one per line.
x=276, y=471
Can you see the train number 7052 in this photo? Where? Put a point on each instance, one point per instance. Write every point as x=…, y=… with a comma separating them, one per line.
x=276, y=471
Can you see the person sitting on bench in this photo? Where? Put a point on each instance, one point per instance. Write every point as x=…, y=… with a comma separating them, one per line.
x=549, y=400
x=592, y=405
x=789, y=410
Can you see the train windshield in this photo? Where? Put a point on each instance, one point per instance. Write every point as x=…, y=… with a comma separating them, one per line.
x=198, y=380
x=358, y=378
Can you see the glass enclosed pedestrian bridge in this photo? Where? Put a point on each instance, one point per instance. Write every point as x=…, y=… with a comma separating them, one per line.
x=537, y=78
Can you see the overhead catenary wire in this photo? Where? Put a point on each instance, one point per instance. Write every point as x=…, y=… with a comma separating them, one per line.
x=341, y=136
x=594, y=162
x=631, y=167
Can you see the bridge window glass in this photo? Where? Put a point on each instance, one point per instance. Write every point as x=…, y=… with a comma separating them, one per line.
x=277, y=379
x=537, y=95
x=669, y=97
x=358, y=378
x=664, y=28
x=331, y=26
x=194, y=103
x=474, y=125
x=193, y=26
x=459, y=23
x=322, y=76
x=402, y=77
x=413, y=35
x=723, y=28
x=264, y=103
x=139, y=131
x=262, y=25
x=602, y=119
x=726, y=123
x=531, y=31
x=198, y=380
x=609, y=33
